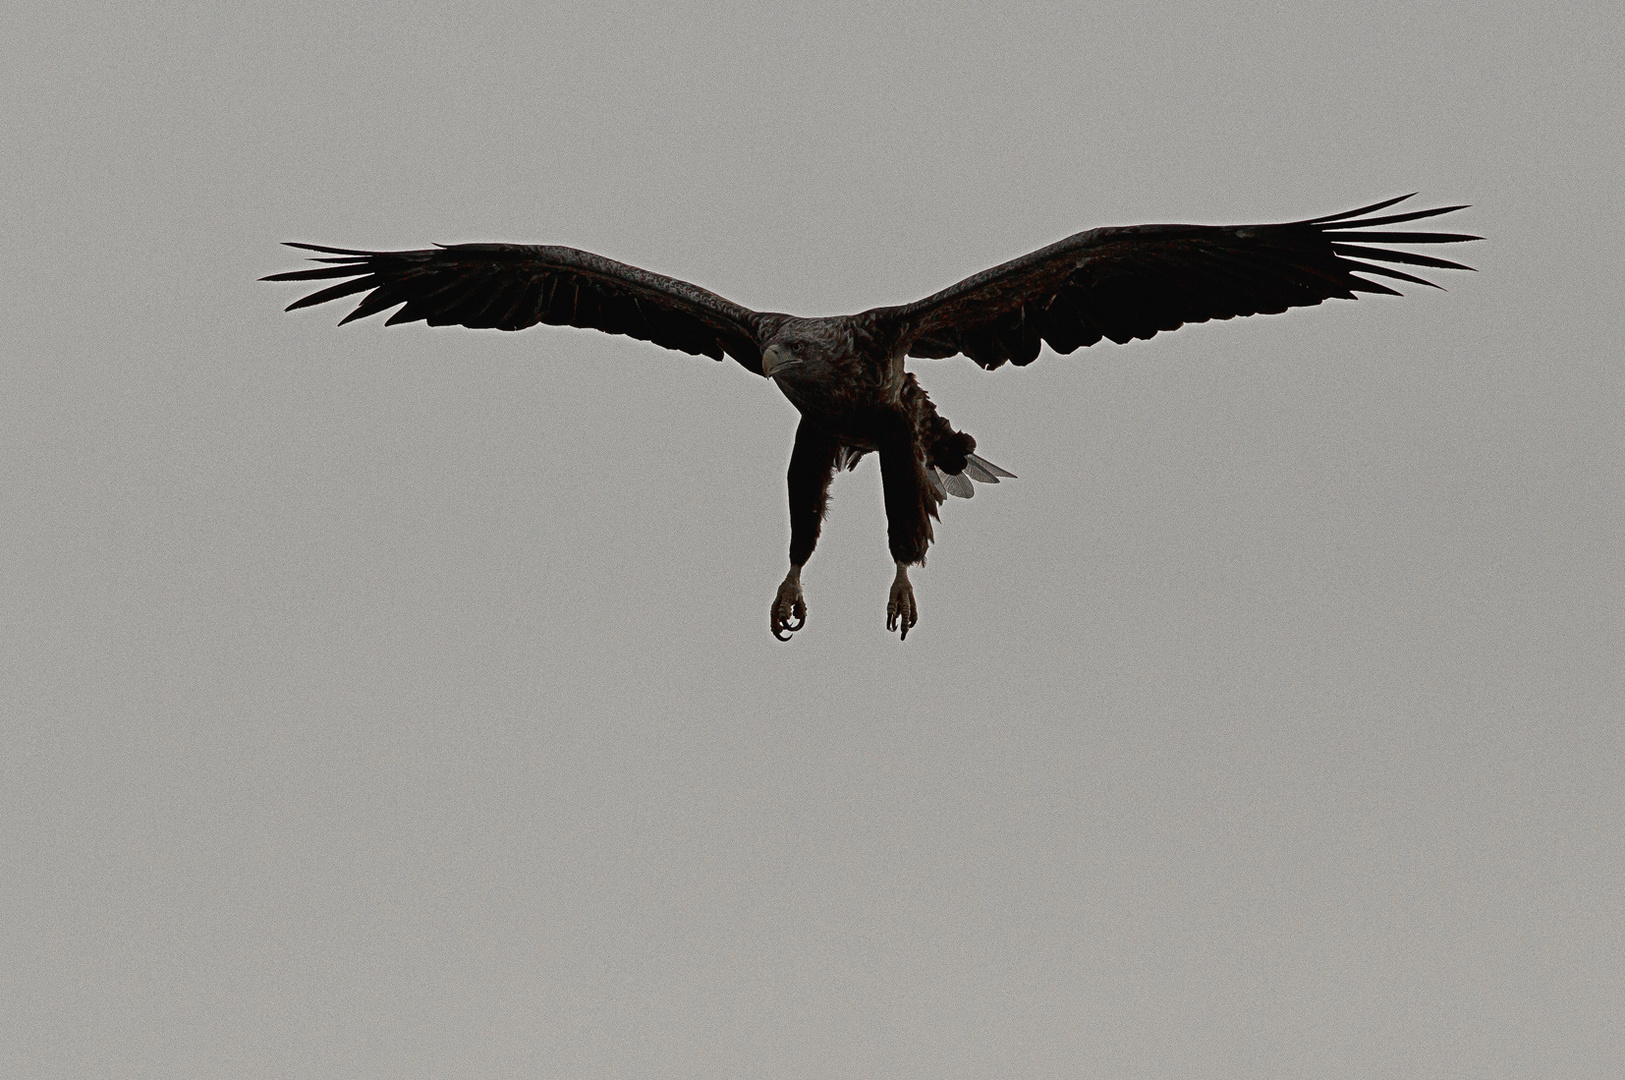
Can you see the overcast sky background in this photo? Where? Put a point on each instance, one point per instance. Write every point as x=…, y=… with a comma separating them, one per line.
x=401, y=703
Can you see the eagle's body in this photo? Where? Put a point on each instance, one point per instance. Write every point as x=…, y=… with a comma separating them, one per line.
x=846, y=377
x=846, y=374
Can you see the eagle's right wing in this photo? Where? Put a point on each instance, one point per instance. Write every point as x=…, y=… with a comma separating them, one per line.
x=512, y=286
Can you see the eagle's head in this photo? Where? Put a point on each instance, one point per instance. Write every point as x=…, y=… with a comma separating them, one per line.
x=807, y=349
x=782, y=357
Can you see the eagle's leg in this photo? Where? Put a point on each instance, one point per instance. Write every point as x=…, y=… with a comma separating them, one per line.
x=812, y=466
x=788, y=605
x=910, y=506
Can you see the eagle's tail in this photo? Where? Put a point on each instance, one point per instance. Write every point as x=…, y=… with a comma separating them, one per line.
x=977, y=468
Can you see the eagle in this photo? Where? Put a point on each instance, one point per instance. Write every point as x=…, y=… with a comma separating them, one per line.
x=846, y=375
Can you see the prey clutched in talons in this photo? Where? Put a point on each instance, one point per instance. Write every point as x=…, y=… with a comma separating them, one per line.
x=788, y=605
x=901, y=611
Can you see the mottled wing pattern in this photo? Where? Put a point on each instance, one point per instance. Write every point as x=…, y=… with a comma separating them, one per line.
x=1133, y=282
x=512, y=286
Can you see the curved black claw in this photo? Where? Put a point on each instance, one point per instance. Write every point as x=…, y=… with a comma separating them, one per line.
x=789, y=611
x=901, y=611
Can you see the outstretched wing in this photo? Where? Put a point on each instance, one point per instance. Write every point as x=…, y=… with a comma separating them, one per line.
x=1126, y=283
x=512, y=286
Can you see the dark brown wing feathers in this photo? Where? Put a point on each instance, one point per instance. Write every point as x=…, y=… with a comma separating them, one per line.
x=1112, y=283
x=512, y=286
x=1127, y=283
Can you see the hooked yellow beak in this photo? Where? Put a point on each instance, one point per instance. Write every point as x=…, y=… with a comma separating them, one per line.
x=773, y=359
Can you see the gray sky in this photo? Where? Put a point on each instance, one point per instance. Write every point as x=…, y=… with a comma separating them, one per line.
x=400, y=703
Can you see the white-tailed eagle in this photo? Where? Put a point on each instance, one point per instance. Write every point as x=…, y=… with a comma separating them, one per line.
x=845, y=373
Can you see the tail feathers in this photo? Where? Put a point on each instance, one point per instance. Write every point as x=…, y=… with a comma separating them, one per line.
x=959, y=484
x=847, y=457
x=984, y=471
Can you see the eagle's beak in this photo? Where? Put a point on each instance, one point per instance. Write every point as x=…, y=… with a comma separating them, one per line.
x=773, y=359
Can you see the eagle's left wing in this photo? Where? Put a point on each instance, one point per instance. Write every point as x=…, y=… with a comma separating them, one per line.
x=512, y=286
x=1126, y=283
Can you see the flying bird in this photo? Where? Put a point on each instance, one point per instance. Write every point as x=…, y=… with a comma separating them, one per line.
x=845, y=373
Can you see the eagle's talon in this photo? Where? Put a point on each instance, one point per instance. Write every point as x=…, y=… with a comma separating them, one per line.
x=789, y=611
x=901, y=611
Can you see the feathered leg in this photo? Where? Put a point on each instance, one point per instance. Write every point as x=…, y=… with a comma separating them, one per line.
x=812, y=466
x=911, y=503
